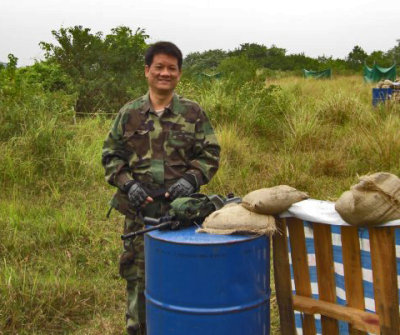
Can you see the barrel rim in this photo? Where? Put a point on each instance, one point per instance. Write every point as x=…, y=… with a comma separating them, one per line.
x=251, y=238
x=211, y=311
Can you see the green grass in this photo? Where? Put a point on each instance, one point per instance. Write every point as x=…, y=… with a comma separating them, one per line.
x=58, y=252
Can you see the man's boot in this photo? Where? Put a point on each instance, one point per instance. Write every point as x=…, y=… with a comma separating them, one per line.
x=136, y=329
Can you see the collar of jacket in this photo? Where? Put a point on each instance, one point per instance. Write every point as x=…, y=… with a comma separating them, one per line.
x=175, y=106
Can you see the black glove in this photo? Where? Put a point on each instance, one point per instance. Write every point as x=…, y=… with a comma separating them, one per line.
x=136, y=194
x=182, y=188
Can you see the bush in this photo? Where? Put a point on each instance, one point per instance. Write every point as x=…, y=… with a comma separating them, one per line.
x=104, y=71
x=48, y=75
x=239, y=68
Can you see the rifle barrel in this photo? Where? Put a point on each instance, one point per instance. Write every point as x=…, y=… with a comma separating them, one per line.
x=144, y=231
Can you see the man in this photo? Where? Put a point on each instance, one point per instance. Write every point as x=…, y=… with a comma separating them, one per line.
x=160, y=147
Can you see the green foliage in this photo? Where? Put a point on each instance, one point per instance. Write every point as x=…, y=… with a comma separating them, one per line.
x=379, y=58
x=239, y=68
x=48, y=75
x=105, y=71
x=276, y=59
x=357, y=58
x=271, y=58
x=394, y=53
x=199, y=62
x=339, y=66
x=230, y=100
x=300, y=62
x=10, y=81
x=253, y=51
x=261, y=57
x=29, y=108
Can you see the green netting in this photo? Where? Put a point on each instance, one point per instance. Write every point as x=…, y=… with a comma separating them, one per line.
x=324, y=74
x=377, y=73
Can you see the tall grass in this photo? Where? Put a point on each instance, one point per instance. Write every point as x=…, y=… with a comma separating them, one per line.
x=58, y=253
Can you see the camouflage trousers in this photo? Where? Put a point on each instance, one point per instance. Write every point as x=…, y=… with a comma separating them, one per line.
x=132, y=265
x=131, y=268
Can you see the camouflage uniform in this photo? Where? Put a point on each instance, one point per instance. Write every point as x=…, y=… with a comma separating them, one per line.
x=156, y=151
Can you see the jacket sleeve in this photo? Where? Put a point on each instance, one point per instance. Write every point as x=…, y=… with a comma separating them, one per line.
x=114, y=155
x=205, y=162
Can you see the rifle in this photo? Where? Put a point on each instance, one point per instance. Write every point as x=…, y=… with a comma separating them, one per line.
x=164, y=222
x=188, y=216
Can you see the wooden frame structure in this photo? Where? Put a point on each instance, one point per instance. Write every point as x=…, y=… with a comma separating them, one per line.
x=386, y=321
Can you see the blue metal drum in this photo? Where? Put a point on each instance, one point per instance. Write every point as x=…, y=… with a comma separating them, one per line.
x=202, y=284
x=380, y=95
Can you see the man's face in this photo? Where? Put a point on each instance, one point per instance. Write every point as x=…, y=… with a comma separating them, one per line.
x=163, y=74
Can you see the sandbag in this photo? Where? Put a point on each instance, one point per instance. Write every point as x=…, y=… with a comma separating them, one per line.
x=272, y=200
x=235, y=219
x=373, y=201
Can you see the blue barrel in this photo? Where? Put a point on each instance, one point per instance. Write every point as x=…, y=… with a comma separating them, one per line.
x=380, y=95
x=202, y=284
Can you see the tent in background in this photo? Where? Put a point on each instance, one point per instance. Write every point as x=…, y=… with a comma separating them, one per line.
x=324, y=74
x=377, y=73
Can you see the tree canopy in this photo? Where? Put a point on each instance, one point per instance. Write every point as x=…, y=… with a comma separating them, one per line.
x=105, y=71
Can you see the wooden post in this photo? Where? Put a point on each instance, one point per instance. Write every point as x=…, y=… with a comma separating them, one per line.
x=325, y=273
x=283, y=287
x=300, y=269
x=352, y=272
x=383, y=258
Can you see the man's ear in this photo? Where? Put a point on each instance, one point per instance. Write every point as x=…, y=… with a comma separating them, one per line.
x=146, y=70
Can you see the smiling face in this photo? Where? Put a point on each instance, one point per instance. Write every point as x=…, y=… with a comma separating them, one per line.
x=163, y=74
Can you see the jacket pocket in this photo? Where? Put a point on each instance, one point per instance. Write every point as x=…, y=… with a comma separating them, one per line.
x=138, y=141
x=180, y=139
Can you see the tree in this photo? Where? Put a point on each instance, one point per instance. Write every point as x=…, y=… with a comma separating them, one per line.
x=10, y=81
x=198, y=62
x=394, y=53
x=379, y=58
x=240, y=68
x=253, y=51
x=275, y=58
x=104, y=71
x=356, y=58
x=48, y=75
x=300, y=62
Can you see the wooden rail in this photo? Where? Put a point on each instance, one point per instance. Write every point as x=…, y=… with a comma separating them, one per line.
x=385, y=321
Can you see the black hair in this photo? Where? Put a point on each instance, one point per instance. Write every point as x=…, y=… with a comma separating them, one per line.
x=163, y=47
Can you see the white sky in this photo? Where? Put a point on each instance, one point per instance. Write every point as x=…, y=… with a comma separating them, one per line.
x=314, y=27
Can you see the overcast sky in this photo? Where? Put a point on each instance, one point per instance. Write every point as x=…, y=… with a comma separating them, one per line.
x=314, y=27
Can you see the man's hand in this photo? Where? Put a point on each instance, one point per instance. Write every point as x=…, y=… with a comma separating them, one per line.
x=181, y=188
x=137, y=195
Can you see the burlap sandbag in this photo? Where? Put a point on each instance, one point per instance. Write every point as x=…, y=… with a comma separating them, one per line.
x=272, y=200
x=374, y=200
x=235, y=219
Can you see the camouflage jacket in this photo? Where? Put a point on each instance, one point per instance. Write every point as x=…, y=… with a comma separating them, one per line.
x=157, y=151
